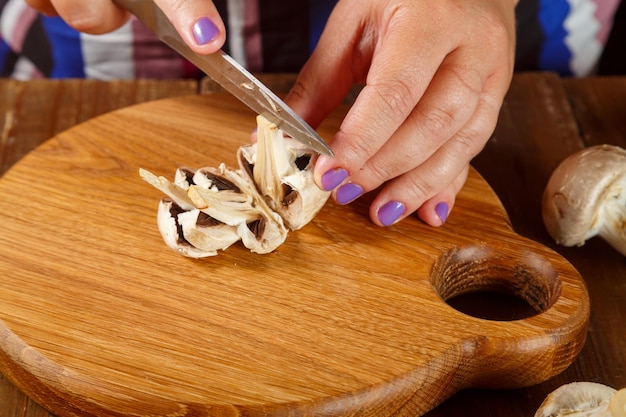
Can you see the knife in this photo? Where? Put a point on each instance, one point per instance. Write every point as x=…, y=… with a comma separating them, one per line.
x=230, y=75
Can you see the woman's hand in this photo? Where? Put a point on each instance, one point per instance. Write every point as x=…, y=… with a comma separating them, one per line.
x=197, y=22
x=435, y=73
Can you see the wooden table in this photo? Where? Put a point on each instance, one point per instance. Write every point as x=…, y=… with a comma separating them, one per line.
x=544, y=119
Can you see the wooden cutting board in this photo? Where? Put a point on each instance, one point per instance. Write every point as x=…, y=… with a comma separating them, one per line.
x=99, y=318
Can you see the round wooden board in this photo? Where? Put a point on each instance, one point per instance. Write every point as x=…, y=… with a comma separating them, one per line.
x=99, y=318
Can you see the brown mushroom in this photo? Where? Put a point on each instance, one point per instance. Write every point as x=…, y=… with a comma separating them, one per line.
x=586, y=196
x=584, y=399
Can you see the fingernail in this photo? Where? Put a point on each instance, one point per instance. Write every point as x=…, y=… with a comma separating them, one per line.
x=348, y=192
x=391, y=212
x=442, y=209
x=204, y=31
x=332, y=178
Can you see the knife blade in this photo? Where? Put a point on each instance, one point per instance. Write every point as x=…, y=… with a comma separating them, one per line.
x=230, y=75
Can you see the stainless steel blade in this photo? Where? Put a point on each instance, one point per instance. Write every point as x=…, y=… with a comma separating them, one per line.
x=230, y=75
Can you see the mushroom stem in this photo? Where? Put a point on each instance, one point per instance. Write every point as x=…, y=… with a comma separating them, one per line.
x=613, y=229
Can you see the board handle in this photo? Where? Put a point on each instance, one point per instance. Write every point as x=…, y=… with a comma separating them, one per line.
x=523, y=351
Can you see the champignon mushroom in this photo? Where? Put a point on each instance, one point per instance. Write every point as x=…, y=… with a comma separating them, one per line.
x=260, y=229
x=209, y=209
x=171, y=231
x=182, y=225
x=281, y=168
x=584, y=399
x=586, y=196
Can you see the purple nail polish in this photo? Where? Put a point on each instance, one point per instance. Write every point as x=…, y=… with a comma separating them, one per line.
x=204, y=31
x=348, y=193
x=442, y=209
x=389, y=213
x=333, y=177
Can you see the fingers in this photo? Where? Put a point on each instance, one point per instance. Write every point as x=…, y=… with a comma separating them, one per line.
x=435, y=212
x=429, y=190
x=198, y=22
x=420, y=188
x=93, y=16
x=438, y=177
x=450, y=101
x=427, y=109
x=43, y=7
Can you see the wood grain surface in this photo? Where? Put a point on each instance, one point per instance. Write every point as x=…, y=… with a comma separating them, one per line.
x=100, y=318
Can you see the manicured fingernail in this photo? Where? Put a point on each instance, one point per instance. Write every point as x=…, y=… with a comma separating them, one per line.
x=442, y=209
x=391, y=212
x=204, y=31
x=348, y=192
x=332, y=178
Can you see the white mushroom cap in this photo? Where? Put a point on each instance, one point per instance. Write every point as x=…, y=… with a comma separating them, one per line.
x=578, y=399
x=586, y=196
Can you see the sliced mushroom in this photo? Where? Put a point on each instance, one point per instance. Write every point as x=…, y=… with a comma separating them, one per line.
x=586, y=196
x=172, y=233
x=175, y=192
x=584, y=399
x=260, y=229
x=206, y=233
x=281, y=168
x=183, y=226
x=209, y=209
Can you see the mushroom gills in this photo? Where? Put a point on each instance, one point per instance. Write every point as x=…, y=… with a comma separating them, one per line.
x=209, y=209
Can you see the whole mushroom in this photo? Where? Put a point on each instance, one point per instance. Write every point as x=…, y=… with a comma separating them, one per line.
x=586, y=196
x=584, y=399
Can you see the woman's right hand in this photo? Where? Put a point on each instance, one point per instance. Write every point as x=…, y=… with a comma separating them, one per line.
x=204, y=35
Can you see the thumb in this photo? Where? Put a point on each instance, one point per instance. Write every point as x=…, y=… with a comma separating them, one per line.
x=198, y=22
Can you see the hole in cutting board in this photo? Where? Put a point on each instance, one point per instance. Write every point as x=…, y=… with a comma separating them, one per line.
x=491, y=305
x=483, y=283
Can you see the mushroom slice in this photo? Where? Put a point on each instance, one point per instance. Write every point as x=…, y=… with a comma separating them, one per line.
x=282, y=170
x=260, y=229
x=206, y=233
x=218, y=208
x=586, y=196
x=177, y=193
x=582, y=399
x=172, y=233
x=184, y=177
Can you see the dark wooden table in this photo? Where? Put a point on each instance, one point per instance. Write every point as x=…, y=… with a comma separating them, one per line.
x=544, y=119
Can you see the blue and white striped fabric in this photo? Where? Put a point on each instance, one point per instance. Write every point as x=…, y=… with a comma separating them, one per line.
x=566, y=36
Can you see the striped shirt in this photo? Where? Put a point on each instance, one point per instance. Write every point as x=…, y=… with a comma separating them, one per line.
x=566, y=36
